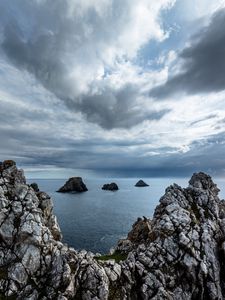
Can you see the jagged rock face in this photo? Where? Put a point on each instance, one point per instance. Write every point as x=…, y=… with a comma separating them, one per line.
x=179, y=254
x=141, y=183
x=110, y=186
x=74, y=184
x=184, y=254
x=34, y=264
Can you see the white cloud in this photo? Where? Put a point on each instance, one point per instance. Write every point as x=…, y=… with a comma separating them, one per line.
x=81, y=49
x=93, y=46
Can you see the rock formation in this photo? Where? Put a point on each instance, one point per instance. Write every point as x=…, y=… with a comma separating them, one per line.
x=74, y=184
x=141, y=183
x=34, y=186
x=179, y=254
x=110, y=186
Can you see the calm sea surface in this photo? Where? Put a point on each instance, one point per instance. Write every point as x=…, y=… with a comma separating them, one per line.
x=96, y=219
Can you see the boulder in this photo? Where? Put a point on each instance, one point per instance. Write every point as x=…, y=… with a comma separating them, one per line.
x=141, y=183
x=74, y=184
x=35, y=187
x=110, y=186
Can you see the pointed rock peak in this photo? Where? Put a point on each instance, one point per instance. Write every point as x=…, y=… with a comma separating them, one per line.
x=203, y=181
x=141, y=183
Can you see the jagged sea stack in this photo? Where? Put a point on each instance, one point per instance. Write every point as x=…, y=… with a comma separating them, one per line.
x=110, y=186
x=74, y=184
x=141, y=183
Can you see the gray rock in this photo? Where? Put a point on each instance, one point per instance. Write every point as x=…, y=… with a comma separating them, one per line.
x=179, y=254
x=74, y=184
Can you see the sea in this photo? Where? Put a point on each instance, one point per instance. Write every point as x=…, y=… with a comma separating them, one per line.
x=95, y=220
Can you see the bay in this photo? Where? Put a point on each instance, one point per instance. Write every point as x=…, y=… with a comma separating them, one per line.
x=95, y=220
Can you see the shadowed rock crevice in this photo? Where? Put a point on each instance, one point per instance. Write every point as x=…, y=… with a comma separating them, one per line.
x=179, y=254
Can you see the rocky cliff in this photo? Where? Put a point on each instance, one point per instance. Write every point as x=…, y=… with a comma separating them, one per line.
x=179, y=254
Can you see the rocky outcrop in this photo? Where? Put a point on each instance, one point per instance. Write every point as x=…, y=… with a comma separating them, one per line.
x=34, y=186
x=34, y=263
x=141, y=183
x=184, y=253
x=179, y=254
x=110, y=186
x=74, y=184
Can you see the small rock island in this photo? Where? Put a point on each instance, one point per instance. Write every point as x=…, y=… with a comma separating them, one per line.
x=141, y=183
x=110, y=186
x=73, y=184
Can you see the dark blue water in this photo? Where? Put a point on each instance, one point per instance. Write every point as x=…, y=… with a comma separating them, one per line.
x=97, y=219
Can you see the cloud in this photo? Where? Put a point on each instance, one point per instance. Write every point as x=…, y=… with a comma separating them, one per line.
x=121, y=110
x=201, y=64
x=74, y=48
x=39, y=132
x=65, y=62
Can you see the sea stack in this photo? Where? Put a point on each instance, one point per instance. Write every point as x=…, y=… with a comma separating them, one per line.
x=141, y=183
x=73, y=184
x=110, y=186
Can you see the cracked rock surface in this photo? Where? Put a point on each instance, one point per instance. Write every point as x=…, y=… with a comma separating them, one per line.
x=179, y=254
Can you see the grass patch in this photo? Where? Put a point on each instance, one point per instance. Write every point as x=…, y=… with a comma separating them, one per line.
x=117, y=256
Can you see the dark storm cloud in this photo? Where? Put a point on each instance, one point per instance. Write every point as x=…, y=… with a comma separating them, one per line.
x=43, y=39
x=122, y=114
x=204, y=155
x=202, y=63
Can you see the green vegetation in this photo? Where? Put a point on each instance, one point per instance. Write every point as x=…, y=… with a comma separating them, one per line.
x=115, y=292
x=195, y=210
x=117, y=256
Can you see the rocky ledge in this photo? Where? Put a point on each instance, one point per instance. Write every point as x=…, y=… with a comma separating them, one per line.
x=73, y=184
x=179, y=254
x=110, y=186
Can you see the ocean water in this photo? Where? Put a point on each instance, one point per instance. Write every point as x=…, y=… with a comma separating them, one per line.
x=95, y=220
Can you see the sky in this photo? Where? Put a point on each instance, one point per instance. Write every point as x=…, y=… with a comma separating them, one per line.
x=132, y=88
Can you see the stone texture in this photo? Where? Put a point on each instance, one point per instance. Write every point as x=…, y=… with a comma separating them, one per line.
x=74, y=184
x=179, y=254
